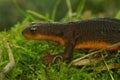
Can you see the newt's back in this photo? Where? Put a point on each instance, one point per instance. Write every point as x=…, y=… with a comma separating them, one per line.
x=97, y=33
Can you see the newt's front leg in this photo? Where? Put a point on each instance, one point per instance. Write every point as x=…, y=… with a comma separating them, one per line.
x=65, y=56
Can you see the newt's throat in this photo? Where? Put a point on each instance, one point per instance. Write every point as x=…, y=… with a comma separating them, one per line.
x=45, y=37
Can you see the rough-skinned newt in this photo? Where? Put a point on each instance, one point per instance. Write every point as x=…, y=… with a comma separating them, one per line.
x=87, y=34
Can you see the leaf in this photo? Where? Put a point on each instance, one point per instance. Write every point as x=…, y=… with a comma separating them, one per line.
x=118, y=15
x=39, y=15
x=80, y=7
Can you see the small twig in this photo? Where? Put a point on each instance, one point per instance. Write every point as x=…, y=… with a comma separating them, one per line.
x=96, y=52
x=10, y=65
x=110, y=66
x=87, y=62
x=107, y=67
x=0, y=56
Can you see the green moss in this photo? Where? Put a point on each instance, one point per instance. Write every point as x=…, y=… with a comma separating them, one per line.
x=29, y=67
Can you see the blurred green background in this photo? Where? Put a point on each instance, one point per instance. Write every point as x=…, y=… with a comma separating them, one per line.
x=13, y=11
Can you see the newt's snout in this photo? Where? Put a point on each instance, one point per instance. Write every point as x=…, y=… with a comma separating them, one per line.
x=31, y=29
x=31, y=32
x=25, y=33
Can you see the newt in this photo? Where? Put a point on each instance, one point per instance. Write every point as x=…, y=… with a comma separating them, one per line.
x=85, y=34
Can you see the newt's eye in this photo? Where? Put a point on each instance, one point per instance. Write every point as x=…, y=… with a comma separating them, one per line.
x=33, y=29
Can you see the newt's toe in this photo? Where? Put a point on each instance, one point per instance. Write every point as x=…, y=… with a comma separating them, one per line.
x=48, y=59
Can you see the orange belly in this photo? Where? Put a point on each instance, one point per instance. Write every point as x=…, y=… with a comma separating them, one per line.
x=95, y=45
x=84, y=45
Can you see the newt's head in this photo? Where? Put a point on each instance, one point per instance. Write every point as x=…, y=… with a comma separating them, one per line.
x=32, y=31
x=43, y=31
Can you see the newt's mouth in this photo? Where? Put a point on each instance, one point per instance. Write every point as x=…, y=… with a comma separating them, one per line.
x=27, y=36
x=25, y=33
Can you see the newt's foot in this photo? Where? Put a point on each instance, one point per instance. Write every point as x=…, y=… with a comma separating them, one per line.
x=52, y=58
